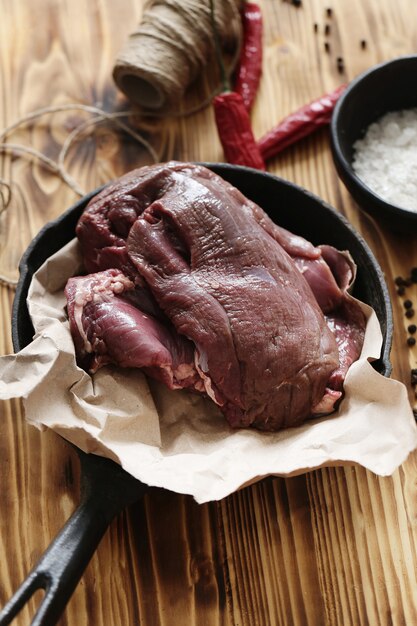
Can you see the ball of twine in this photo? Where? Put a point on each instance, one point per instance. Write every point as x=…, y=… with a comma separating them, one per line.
x=172, y=45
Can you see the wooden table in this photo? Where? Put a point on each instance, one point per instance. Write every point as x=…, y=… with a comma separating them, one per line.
x=337, y=546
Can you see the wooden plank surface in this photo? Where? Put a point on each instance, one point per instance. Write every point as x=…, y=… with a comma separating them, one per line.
x=337, y=546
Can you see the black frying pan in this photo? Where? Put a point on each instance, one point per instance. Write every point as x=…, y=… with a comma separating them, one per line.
x=106, y=488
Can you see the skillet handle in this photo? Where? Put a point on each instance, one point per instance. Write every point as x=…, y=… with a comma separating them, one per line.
x=62, y=565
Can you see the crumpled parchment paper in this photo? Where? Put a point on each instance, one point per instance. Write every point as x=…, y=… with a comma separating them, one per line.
x=181, y=441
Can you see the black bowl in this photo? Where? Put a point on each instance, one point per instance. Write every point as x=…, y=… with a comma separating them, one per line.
x=383, y=88
x=287, y=204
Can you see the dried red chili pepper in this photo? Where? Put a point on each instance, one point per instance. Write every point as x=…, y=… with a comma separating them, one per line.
x=235, y=131
x=299, y=124
x=232, y=119
x=249, y=70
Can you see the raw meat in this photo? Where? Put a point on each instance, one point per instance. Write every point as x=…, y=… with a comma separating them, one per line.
x=108, y=327
x=105, y=225
x=257, y=317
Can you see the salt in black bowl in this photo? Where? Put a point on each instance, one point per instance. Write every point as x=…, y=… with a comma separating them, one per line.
x=387, y=87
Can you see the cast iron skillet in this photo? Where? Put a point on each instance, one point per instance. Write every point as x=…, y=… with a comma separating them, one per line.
x=106, y=488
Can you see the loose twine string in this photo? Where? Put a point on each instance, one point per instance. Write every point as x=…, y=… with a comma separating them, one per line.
x=58, y=166
x=161, y=59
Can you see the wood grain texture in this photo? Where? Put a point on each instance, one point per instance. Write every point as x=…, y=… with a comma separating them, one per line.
x=335, y=547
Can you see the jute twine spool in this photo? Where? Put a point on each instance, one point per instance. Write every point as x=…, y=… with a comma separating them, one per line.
x=171, y=47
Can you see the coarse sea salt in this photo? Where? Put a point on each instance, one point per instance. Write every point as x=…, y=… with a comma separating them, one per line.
x=385, y=159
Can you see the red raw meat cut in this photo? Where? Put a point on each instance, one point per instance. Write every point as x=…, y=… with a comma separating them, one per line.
x=108, y=326
x=207, y=293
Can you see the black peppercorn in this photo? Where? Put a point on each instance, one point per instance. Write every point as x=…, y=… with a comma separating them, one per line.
x=408, y=304
x=401, y=290
x=327, y=29
x=399, y=280
x=411, y=341
x=363, y=44
x=341, y=67
x=329, y=12
x=412, y=329
x=409, y=313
